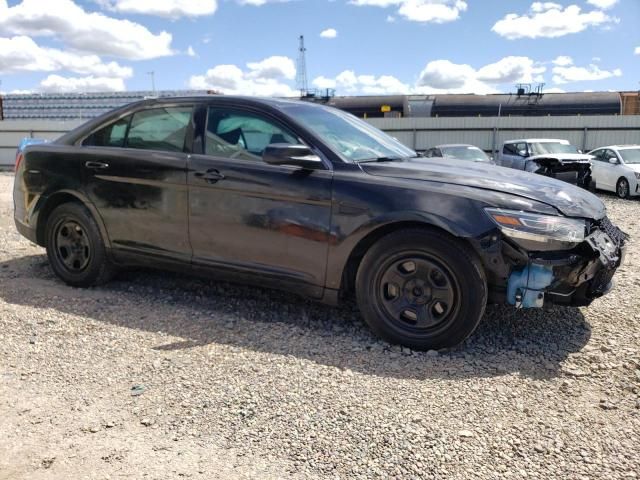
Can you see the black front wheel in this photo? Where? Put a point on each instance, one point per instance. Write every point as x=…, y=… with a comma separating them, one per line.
x=75, y=247
x=422, y=289
x=622, y=188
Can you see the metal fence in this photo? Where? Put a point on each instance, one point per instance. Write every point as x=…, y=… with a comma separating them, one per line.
x=586, y=132
x=488, y=133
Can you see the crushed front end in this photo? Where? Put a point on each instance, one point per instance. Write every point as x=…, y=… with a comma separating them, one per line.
x=576, y=172
x=541, y=261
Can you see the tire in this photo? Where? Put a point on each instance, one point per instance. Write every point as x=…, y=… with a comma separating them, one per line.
x=75, y=247
x=622, y=188
x=422, y=289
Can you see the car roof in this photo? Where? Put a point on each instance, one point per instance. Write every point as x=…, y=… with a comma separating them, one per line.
x=539, y=140
x=273, y=102
x=619, y=147
x=448, y=145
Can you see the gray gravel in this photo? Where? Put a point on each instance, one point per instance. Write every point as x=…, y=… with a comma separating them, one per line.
x=165, y=376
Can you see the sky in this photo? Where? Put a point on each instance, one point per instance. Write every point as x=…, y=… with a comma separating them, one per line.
x=357, y=47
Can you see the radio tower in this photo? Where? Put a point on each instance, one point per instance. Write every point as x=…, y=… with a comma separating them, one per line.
x=301, y=74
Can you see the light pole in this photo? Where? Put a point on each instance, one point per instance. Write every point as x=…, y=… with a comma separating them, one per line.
x=152, y=74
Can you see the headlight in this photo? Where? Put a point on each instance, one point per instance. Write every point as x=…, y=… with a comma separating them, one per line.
x=539, y=232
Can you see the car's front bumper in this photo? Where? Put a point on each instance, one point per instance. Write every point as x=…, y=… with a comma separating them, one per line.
x=574, y=277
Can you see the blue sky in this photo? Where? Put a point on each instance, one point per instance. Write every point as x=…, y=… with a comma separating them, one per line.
x=368, y=46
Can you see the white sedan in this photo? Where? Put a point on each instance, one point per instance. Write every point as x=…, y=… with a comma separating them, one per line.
x=617, y=169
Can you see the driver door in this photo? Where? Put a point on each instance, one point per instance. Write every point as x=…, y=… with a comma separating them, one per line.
x=256, y=221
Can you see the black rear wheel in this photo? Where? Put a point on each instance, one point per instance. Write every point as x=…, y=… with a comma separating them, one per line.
x=75, y=247
x=422, y=289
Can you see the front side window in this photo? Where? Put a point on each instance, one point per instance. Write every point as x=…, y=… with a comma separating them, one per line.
x=162, y=128
x=242, y=135
x=521, y=149
x=110, y=136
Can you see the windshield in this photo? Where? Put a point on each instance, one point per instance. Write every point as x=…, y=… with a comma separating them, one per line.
x=630, y=155
x=464, y=152
x=352, y=138
x=542, y=148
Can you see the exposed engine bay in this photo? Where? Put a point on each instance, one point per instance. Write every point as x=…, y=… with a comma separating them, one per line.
x=573, y=277
x=576, y=172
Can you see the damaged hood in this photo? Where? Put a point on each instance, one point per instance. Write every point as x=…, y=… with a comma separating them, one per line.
x=570, y=200
x=563, y=157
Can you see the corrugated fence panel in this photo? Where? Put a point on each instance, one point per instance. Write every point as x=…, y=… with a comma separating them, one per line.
x=419, y=133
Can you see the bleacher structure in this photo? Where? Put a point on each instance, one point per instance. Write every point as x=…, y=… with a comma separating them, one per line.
x=68, y=106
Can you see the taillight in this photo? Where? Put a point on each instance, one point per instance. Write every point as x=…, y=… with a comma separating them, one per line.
x=18, y=159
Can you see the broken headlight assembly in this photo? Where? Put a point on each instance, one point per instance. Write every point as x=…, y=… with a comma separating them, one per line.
x=537, y=232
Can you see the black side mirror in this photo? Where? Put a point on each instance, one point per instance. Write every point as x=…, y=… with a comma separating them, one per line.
x=295, y=155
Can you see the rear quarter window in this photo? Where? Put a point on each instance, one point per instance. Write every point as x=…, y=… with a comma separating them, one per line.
x=112, y=135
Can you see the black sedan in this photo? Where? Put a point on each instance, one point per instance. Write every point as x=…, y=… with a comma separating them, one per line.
x=310, y=199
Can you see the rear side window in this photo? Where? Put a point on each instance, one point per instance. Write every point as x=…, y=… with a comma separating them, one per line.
x=112, y=135
x=159, y=129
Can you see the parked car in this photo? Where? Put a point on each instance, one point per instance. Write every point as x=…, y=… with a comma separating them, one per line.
x=312, y=200
x=458, y=152
x=550, y=157
x=617, y=169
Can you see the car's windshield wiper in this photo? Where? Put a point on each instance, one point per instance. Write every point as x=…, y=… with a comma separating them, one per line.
x=381, y=159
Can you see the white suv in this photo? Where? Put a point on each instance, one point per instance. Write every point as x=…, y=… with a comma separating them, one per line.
x=617, y=169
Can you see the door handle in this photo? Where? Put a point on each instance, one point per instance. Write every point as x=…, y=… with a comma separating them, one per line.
x=210, y=176
x=96, y=165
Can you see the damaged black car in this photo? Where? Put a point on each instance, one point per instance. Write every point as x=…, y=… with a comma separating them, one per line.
x=549, y=157
x=309, y=199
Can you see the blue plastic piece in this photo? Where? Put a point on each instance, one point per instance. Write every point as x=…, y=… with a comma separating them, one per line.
x=526, y=287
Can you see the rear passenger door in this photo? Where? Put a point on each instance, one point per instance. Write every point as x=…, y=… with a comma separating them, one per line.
x=258, y=221
x=135, y=174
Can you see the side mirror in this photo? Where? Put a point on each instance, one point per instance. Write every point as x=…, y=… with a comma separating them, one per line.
x=295, y=155
x=613, y=160
x=523, y=153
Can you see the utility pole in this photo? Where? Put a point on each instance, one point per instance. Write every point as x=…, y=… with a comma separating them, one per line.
x=301, y=74
x=152, y=74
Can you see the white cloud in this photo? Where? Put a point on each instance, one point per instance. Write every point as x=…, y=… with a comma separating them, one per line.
x=191, y=52
x=259, y=3
x=273, y=68
x=511, y=70
x=426, y=11
x=269, y=78
x=554, y=90
x=56, y=83
x=549, y=20
x=563, y=61
x=637, y=51
x=329, y=33
x=83, y=31
x=22, y=54
x=163, y=8
x=567, y=72
x=603, y=4
x=348, y=82
x=444, y=76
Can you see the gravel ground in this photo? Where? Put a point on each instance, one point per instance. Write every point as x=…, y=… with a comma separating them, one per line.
x=165, y=376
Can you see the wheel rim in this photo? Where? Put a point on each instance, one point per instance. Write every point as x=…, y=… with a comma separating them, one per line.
x=623, y=188
x=417, y=293
x=72, y=247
